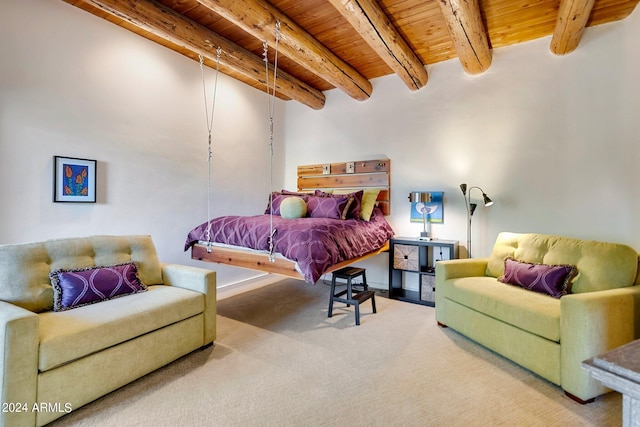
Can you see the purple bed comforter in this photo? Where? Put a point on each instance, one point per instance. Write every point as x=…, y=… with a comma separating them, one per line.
x=315, y=244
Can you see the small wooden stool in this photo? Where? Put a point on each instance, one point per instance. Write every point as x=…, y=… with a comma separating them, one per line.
x=348, y=274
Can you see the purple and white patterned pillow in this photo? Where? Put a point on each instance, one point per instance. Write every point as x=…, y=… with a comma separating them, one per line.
x=278, y=197
x=84, y=286
x=356, y=204
x=553, y=280
x=329, y=207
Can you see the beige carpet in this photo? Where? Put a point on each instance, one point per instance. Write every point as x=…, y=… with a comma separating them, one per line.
x=279, y=361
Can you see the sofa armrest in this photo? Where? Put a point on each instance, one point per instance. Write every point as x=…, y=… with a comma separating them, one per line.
x=198, y=280
x=592, y=323
x=19, y=339
x=454, y=269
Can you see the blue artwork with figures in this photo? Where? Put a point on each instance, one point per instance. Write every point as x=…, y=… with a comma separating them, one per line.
x=434, y=209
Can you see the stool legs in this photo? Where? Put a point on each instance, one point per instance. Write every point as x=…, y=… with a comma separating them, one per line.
x=351, y=299
x=373, y=302
x=356, y=304
x=331, y=295
x=366, y=288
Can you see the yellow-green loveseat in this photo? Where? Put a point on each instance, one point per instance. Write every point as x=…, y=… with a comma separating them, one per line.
x=549, y=336
x=55, y=361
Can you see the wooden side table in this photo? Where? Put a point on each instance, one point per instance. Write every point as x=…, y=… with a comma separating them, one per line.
x=619, y=369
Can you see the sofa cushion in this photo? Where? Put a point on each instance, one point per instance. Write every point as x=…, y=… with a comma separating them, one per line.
x=84, y=286
x=530, y=311
x=69, y=335
x=600, y=265
x=552, y=280
x=25, y=268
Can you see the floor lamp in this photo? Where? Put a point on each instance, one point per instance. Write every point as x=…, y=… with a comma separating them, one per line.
x=471, y=207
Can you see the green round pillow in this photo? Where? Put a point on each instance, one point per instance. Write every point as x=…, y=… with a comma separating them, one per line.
x=293, y=207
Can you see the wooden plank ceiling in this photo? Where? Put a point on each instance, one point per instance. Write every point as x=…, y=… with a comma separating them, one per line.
x=326, y=44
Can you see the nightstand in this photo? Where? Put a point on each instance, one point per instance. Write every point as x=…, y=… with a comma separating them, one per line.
x=412, y=256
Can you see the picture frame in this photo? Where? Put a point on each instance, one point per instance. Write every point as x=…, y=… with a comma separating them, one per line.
x=74, y=180
x=435, y=209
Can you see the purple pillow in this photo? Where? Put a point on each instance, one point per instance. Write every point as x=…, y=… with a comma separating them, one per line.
x=354, y=210
x=278, y=197
x=329, y=207
x=553, y=280
x=84, y=286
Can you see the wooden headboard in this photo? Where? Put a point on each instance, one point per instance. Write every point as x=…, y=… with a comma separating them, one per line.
x=350, y=175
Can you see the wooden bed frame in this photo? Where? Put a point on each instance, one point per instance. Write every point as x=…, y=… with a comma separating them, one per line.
x=330, y=176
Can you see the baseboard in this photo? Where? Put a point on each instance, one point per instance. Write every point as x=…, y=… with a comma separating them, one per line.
x=235, y=288
x=256, y=282
x=378, y=286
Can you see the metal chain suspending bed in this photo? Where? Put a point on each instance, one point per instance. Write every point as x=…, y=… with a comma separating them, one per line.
x=209, y=129
x=271, y=96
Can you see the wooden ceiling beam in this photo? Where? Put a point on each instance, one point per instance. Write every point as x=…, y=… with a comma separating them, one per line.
x=572, y=20
x=258, y=18
x=170, y=25
x=369, y=20
x=466, y=28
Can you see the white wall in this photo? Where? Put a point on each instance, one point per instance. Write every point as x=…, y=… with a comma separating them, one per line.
x=554, y=141
x=72, y=84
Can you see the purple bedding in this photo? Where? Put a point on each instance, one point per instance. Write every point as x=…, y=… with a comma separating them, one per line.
x=315, y=244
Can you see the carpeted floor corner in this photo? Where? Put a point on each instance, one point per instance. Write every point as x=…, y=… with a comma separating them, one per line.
x=280, y=361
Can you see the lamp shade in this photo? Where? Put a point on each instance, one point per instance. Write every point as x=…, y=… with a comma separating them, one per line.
x=471, y=208
x=419, y=196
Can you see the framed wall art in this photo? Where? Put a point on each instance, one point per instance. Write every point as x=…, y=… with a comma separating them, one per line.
x=74, y=180
x=434, y=208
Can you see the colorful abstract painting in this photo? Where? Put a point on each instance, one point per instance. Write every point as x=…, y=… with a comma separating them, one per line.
x=74, y=180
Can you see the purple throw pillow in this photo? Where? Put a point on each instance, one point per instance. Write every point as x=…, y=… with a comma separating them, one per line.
x=278, y=197
x=553, y=280
x=84, y=286
x=329, y=207
x=354, y=209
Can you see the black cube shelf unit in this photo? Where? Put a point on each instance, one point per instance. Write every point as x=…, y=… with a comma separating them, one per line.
x=410, y=255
